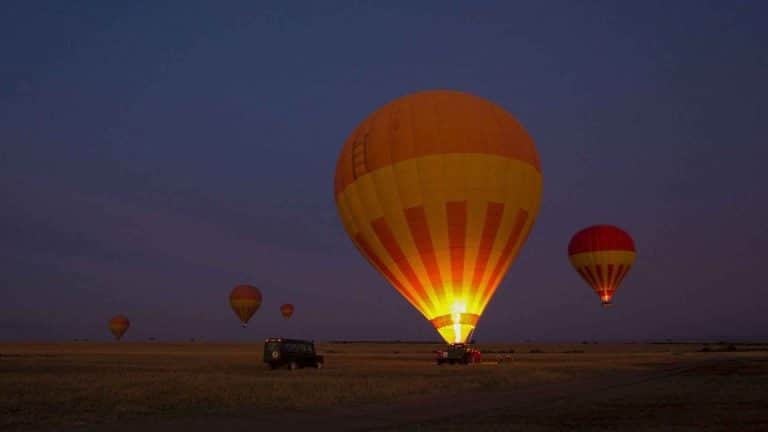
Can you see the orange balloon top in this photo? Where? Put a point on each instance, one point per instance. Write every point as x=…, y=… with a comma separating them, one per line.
x=119, y=320
x=245, y=292
x=431, y=123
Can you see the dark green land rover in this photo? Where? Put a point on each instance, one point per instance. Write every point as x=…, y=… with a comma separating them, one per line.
x=294, y=353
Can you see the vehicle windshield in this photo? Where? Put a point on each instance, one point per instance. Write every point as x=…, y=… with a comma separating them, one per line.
x=273, y=346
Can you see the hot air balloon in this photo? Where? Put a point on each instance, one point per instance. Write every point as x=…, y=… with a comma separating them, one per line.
x=118, y=326
x=439, y=190
x=286, y=310
x=602, y=254
x=245, y=301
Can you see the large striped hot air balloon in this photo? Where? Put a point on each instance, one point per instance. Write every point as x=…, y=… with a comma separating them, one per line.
x=602, y=254
x=439, y=190
x=118, y=325
x=245, y=301
x=286, y=310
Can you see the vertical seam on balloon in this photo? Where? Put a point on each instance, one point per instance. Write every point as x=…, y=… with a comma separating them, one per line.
x=439, y=137
x=396, y=282
x=584, y=275
x=419, y=227
x=599, y=273
x=432, y=290
x=422, y=307
x=389, y=241
x=456, y=213
x=374, y=259
x=430, y=293
x=623, y=274
x=592, y=279
x=609, y=275
x=493, y=214
x=521, y=217
x=619, y=270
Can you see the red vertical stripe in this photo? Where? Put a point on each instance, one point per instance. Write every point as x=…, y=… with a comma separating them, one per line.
x=509, y=248
x=592, y=277
x=622, y=275
x=493, y=214
x=514, y=239
x=389, y=241
x=585, y=276
x=456, y=213
x=615, y=281
x=599, y=273
x=379, y=264
x=609, y=276
x=419, y=227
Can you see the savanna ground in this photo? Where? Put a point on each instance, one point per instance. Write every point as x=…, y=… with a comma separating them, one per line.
x=386, y=387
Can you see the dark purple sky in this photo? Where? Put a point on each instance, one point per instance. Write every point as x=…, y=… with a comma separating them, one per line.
x=152, y=157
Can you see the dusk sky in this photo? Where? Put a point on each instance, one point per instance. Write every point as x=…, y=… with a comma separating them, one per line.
x=154, y=155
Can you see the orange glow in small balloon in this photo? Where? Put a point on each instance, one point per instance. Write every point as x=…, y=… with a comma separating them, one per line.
x=602, y=254
x=118, y=325
x=245, y=301
x=286, y=310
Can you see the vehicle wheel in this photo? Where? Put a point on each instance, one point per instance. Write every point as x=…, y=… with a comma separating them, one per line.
x=319, y=365
x=293, y=365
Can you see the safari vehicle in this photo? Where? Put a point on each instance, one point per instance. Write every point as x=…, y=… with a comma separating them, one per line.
x=458, y=353
x=294, y=353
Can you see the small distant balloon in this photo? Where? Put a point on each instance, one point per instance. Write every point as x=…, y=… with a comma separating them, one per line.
x=118, y=325
x=602, y=254
x=286, y=310
x=245, y=301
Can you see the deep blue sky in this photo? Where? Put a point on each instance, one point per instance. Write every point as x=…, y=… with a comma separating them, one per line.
x=153, y=156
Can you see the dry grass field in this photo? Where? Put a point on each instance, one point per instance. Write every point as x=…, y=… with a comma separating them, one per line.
x=383, y=387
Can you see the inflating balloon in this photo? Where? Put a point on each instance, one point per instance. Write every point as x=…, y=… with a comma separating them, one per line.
x=245, y=301
x=602, y=254
x=118, y=325
x=439, y=190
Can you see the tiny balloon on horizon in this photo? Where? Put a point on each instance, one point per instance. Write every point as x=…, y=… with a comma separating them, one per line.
x=118, y=325
x=286, y=310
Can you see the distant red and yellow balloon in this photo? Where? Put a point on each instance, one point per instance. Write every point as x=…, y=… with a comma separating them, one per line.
x=439, y=190
x=602, y=254
x=118, y=325
x=245, y=301
x=286, y=310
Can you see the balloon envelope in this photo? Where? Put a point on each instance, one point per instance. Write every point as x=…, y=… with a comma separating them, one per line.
x=118, y=325
x=286, y=310
x=602, y=254
x=439, y=190
x=245, y=301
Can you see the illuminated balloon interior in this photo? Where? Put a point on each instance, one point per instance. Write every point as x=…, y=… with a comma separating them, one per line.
x=439, y=190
